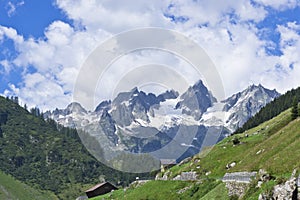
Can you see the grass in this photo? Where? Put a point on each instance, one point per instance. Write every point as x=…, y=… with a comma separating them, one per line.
x=11, y=188
x=219, y=192
x=272, y=146
x=160, y=190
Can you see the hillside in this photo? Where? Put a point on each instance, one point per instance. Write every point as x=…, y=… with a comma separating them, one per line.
x=10, y=188
x=47, y=156
x=272, y=146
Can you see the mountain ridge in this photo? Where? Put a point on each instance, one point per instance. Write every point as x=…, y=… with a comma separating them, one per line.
x=137, y=122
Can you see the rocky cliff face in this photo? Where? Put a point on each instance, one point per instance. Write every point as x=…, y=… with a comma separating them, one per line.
x=196, y=100
x=247, y=103
x=234, y=111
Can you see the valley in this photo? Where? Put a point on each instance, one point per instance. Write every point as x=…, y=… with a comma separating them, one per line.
x=44, y=151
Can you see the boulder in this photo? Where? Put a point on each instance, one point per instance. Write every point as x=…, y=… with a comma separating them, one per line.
x=288, y=190
x=228, y=166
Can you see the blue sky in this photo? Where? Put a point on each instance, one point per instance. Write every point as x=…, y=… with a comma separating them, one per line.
x=44, y=43
x=29, y=18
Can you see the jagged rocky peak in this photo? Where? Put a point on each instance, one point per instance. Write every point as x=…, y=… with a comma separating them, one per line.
x=272, y=93
x=134, y=105
x=260, y=88
x=169, y=94
x=125, y=96
x=75, y=107
x=104, y=105
x=247, y=103
x=256, y=94
x=196, y=100
x=136, y=98
x=128, y=106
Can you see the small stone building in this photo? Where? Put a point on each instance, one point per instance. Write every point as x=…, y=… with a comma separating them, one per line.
x=167, y=163
x=100, y=189
x=236, y=182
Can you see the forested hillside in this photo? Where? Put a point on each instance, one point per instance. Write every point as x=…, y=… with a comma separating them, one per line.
x=47, y=156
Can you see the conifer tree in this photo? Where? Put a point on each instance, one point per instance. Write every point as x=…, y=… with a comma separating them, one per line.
x=295, y=109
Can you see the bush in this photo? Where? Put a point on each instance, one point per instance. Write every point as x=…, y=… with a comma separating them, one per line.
x=234, y=197
x=236, y=141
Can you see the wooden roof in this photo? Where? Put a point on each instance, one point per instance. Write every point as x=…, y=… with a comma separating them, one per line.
x=96, y=186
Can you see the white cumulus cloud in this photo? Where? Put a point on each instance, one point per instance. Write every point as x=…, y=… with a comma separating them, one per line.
x=226, y=30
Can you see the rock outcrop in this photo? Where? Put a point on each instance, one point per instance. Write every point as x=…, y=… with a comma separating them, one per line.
x=236, y=188
x=285, y=191
x=288, y=190
x=186, y=176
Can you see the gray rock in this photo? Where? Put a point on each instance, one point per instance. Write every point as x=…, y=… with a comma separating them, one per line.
x=263, y=197
x=122, y=115
x=259, y=184
x=165, y=177
x=264, y=176
x=235, y=188
x=186, y=176
x=196, y=100
x=184, y=189
x=107, y=124
x=104, y=105
x=286, y=191
x=82, y=198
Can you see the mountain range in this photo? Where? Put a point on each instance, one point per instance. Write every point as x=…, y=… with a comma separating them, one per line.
x=167, y=126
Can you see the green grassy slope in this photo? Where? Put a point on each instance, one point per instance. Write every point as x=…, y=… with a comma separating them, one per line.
x=273, y=146
x=11, y=188
x=169, y=190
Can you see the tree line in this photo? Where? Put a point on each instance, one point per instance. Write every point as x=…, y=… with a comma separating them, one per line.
x=295, y=109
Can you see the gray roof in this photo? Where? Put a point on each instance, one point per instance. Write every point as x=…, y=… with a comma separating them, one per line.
x=241, y=177
x=168, y=161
